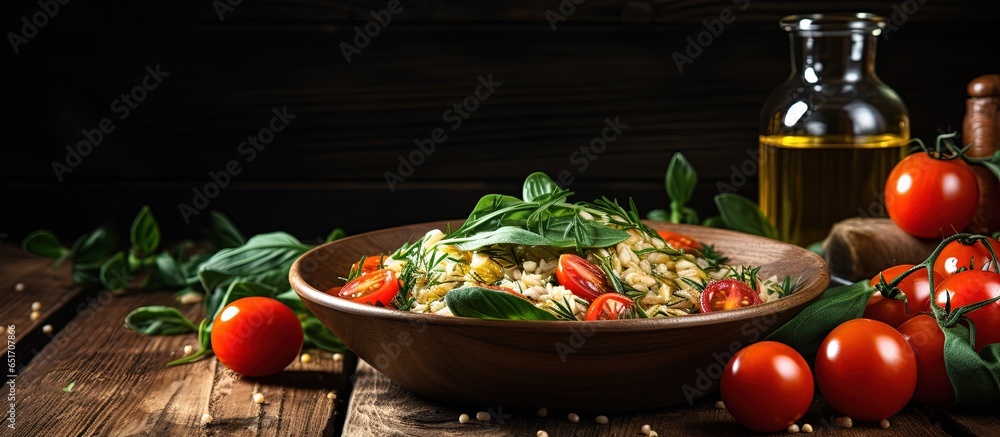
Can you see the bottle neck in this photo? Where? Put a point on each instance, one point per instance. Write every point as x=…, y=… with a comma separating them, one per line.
x=825, y=59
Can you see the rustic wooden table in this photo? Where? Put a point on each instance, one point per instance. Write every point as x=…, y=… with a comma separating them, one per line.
x=121, y=385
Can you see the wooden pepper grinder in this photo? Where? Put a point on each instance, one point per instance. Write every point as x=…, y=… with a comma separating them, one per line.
x=981, y=127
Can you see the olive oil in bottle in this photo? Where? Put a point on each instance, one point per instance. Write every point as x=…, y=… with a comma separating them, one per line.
x=829, y=135
x=809, y=183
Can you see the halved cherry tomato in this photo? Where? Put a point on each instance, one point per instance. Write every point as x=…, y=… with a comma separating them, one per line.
x=916, y=289
x=373, y=288
x=582, y=277
x=958, y=255
x=679, y=241
x=372, y=263
x=609, y=306
x=727, y=294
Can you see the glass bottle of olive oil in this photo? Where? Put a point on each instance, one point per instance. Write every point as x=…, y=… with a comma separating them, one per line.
x=829, y=135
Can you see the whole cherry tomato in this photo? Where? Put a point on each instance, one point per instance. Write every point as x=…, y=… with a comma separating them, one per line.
x=767, y=386
x=927, y=341
x=866, y=370
x=958, y=256
x=970, y=287
x=928, y=197
x=915, y=287
x=256, y=336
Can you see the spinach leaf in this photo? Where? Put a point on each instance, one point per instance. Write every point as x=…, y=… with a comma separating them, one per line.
x=536, y=185
x=483, y=303
x=145, y=234
x=837, y=305
x=740, y=214
x=158, y=320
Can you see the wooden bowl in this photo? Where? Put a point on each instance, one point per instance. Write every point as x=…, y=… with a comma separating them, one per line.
x=603, y=366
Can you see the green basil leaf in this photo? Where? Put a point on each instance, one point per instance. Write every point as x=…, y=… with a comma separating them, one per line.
x=44, y=243
x=483, y=303
x=536, y=185
x=292, y=300
x=94, y=247
x=158, y=320
x=740, y=214
x=317, y=335
x=974, y=376
x=115, y=274
x=87, y=275
x=167, y=275
x=215, y=302
x=837, y=305
x=224, y=233
x=681, y=179
x=265, y=259
x=336, y=234
x=714, y=222
x=145, y=234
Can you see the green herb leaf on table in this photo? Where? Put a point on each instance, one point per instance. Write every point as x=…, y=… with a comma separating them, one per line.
x=115, y=273
x=317, y=335
x=44, y=243
x=740, y=214
x=483, y=303
x=837, y=305
x=158, y=320
x=224, y=233
x=94, y=247
x=265, y=259
x=145, y=234
x=69, y=388
x=167, y=274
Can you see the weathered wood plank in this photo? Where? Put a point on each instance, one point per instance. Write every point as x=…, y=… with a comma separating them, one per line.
x=57, y=296
x=123, y=385
x=380, y=408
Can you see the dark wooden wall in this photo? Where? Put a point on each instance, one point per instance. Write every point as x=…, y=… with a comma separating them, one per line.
x=609, y=58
